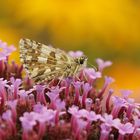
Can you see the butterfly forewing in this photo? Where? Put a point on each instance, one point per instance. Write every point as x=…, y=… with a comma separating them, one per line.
x=41, y=61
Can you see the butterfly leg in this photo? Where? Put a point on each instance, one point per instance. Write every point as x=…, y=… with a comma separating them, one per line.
x=61, y=78
x=85, y=76
x=76, y=69
x=77, y=78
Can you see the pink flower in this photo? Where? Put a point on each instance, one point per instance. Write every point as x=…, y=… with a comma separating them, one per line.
x=5, y=50
x=105, y=130
x=40, y=94
x=91, y=73
x=77, y=86
x=67, y=83
x=108, y=81
x=53, y=95
x=92, y=116
x=102, y=64
x=39, y=108
x=88, y=103
x=118, y=104
x=86, y=88
x=73, y=110
x=79, y=128
x=136, y=122
x=13, y=105
x=29, y=121
x=23, y=96
x=76, y=53
x=125, y=129
x=83, y=113
x=108, y=100
x=126, y=93
x=3, y=92
x=109, y=121
x=15, y=86
x=7, y=116
x=60, y=105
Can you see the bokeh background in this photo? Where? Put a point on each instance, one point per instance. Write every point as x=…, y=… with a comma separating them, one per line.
x=108, y=29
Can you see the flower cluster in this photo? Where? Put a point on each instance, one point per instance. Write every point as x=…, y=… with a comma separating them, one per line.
x=71, y=109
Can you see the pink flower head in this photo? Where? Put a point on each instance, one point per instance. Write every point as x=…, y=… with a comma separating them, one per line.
x=126, y=93
x=102, y=64
x=126, y=128
x=75, y=54
x=79, y=128
x=5, y=50
x=88, y=103
x=15, y=86
x=13, y=105
x=40, y=94
x=118, y=103
x=105, y=130
x=136, y=122
x=92, y=116
x=110, y=92
x=39, y=108
x=82, y=124
x=60, y=105
x=3, y=92
x=82, y=113
x=77, y=86
x=86, y=88
x=46, y=116
x=7, y=116
x=28, y=120
x=108, y=81
x=109, y=121
x=54, y=95
x=57, y=89
x=73, y=110
x=23, y=96
x=91, y=73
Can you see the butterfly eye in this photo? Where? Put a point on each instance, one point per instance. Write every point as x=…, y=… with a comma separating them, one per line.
x=81, y=61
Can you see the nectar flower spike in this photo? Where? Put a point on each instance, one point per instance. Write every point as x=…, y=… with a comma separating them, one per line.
x=74, y=109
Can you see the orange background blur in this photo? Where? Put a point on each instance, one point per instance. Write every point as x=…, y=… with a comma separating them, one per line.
x=109, y=29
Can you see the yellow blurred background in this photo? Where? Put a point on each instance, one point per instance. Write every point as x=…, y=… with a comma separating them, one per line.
x=108, y=29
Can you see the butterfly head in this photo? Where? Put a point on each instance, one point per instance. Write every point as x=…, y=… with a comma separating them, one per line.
x=81, y=60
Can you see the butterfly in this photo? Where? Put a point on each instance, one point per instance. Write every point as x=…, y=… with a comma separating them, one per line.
x=44, y=63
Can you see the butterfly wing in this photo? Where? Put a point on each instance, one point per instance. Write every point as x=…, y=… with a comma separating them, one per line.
x=42, y=62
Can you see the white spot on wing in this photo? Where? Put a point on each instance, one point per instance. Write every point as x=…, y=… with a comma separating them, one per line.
x=28, y=57
x=34, y=72
x=34, y=46
x=47, y=70
x=42, y=59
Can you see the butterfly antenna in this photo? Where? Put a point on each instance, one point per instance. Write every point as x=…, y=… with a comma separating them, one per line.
x=93, y=66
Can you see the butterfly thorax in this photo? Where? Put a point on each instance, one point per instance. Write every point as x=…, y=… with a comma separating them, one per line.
x=75, y=66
